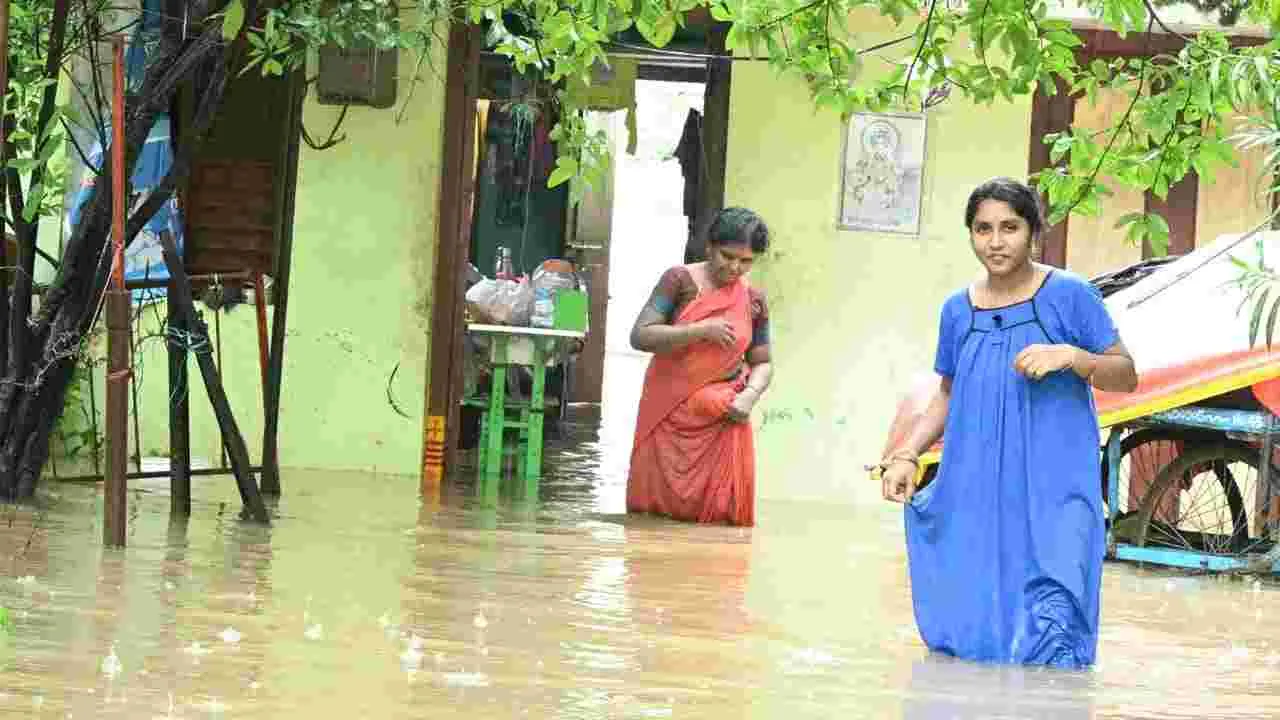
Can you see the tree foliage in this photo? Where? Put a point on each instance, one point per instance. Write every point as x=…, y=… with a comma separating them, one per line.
x=1181, y=117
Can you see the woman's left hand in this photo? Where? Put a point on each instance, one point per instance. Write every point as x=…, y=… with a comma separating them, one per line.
x=1037, y=361
x=741, y=406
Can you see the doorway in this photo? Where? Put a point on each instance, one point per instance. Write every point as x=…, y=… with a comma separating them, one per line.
x=649, y=233
x=621, y=237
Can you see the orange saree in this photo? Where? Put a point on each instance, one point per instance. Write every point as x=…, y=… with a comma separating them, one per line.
x=689, y=461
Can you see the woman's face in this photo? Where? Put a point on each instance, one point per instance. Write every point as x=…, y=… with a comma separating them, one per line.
x=1001, y=238
x=727, y=263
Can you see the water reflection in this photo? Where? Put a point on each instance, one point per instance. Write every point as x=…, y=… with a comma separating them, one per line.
x=941, y=689
x=483, y=602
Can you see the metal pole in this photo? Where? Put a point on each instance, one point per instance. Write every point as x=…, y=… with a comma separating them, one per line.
x=115, y=508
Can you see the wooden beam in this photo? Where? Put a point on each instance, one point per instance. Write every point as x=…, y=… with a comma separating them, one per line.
x=671, y=73
x=281, y=270
x=453, y=230
x=232, y=439
x=115, y=493
x=1108, y=44
x=1050, y=114
x=179, y=411
x=715, y=139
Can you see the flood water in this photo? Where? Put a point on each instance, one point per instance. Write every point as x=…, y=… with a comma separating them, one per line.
x=363, y=602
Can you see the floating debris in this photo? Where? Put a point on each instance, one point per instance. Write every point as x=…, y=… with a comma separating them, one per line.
x=230, y=636
x=466, y=679
x=314, y=632
x=111, y=665
x=411, y=658
x=480, y=621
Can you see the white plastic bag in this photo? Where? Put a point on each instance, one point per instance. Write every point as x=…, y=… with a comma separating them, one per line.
x=501, y=302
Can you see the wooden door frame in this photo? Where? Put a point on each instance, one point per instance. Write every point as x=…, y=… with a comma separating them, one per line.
x=453, y=231
x=453, y=243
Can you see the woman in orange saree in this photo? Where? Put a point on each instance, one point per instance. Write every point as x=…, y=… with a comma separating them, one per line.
x=694, y=456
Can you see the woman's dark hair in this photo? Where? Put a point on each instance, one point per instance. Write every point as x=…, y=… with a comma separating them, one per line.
x=1024, y=200
x=739, y=227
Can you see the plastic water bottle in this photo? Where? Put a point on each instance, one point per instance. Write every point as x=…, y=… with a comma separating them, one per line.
x=501, y=259
x=544, y=308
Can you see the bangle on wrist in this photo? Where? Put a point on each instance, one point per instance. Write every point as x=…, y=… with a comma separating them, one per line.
x=904, y=456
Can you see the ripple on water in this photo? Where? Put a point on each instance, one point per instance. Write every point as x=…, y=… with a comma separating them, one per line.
x=361, y=602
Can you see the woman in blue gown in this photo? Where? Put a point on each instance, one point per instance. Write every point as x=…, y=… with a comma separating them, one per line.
x=1005, y=546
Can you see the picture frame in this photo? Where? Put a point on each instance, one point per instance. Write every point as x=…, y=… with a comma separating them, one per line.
x=882, y=173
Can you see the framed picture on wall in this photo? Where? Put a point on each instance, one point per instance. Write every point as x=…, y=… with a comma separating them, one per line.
x=882, y=173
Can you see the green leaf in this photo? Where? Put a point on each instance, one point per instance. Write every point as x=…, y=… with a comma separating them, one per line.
x=1158, y=234
x=721, y=13
x=1066, y=38
x=1256, y=321
x=1129, y=219
x=662, y=30
x=233, y=20
x=35, y=198
x=1271, y=322
x=566, y=169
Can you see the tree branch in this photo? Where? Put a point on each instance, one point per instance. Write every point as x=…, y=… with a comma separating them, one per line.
x=1124, y=121
x=1151, y=10
x=928, y=23
x=792, y=13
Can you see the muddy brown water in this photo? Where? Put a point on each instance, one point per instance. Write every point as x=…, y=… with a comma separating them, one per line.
x=362, y=601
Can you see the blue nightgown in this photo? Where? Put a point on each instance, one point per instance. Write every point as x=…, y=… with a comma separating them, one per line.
x=1006, y=544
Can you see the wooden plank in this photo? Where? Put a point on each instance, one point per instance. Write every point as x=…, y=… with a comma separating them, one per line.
x=453, y=225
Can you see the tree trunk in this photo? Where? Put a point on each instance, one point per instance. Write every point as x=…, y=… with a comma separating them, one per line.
x=43, y=348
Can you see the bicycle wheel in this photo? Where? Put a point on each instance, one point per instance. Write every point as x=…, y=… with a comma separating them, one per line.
x=1196, y=502
x=1143, y=453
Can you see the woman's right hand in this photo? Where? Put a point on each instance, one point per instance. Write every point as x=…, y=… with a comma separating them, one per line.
x=899, y=481
x=716, y=330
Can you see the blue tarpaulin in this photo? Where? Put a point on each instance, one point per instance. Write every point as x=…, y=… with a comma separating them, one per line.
x=143, y=258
